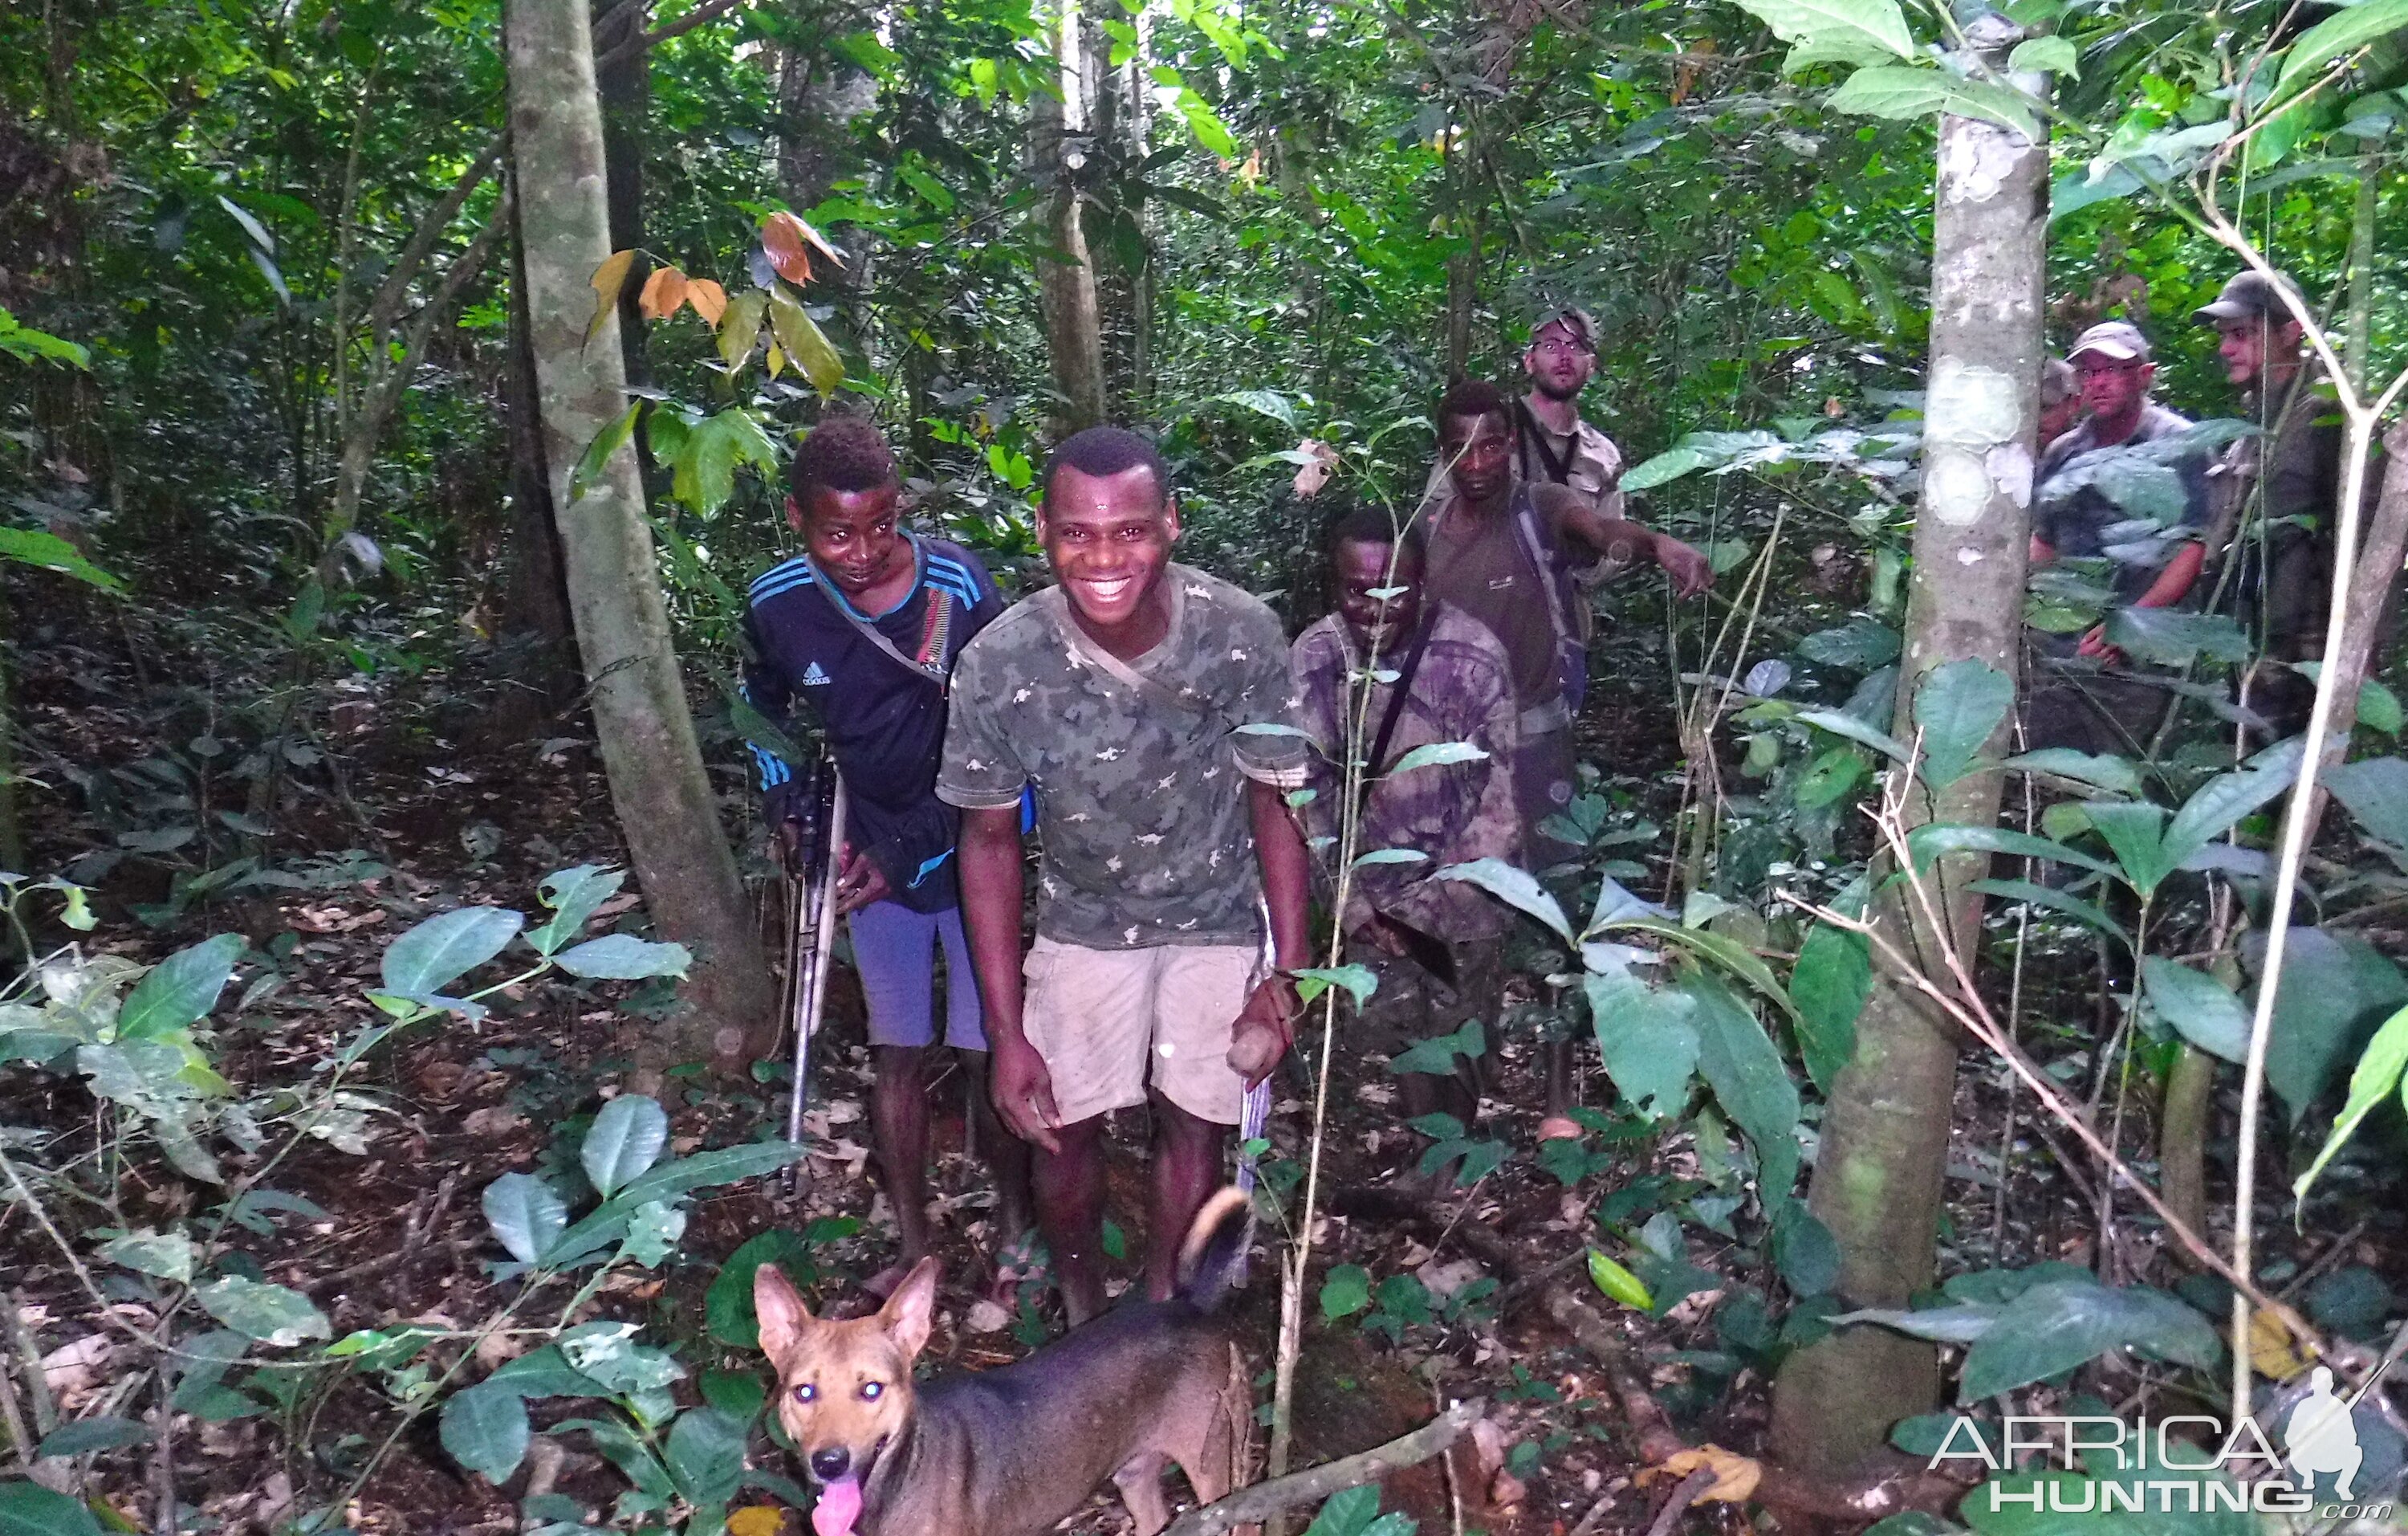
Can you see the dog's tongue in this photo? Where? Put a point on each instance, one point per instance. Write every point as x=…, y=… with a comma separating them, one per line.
x=838, y=1507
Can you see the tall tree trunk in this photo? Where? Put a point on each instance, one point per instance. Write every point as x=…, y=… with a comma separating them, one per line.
x=624, y=81
x=658, y=785
x=1882, y=1166
x=535, y=617
x=1066, y=277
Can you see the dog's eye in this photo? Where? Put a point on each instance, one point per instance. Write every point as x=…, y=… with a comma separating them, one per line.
x=869, y=1390
x=806, y=1392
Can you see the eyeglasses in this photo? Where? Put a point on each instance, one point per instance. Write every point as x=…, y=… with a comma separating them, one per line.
x=1554, y=348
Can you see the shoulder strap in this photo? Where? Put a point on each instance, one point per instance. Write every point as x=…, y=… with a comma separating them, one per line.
x=931, y=665
x=1376, y=764
x=1559, y=471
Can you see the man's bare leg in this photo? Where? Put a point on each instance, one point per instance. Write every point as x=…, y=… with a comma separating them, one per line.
x=899, y=1123
x=1189, y=1154
x=1070, y=1189
x=1006, y=1156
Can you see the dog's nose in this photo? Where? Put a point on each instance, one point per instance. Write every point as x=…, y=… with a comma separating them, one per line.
x=830, y=1464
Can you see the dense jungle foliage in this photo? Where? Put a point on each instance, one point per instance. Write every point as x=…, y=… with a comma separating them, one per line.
x=367, y=1158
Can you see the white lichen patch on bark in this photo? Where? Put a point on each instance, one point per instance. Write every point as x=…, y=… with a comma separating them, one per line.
x=1972, y=416
x=1977, y=158
x=2011, y=470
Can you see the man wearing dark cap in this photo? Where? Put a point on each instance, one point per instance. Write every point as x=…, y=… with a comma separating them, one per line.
x=2060, y=400
x=2294, y=472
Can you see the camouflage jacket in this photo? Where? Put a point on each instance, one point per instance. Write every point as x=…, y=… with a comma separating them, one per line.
x=1141, y=807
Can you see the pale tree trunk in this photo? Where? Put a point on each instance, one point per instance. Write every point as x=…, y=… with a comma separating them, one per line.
x=535, y=617
x=1881, y=1165
x=1066, y=277
x=658, y=787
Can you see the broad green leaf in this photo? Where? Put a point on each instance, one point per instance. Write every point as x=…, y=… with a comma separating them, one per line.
x=1390, y=855
x=179, y=990
x=706, y=1456
x=2336, y=37
x=526, y=1214
x=1437, y=755
x=1804, y=1250
x=47, y=552
x=1836, y=22
x=273, y=1315
x=740, y=327
x=1516, y=888
x=1860, y=645
x=2112, y=774
x=486, y=1430
x=1740, y=1062
x=2064, y=1324
x=2135, y=832
x=1618, y=1282
x=445, y=947
x=1941, y=1324
x=1345, y=1290
x=2047, y=55
x=2054, y=900
x=806, y=343
x=1263, y=402
x=2334, y=993
x=599, y=453
x=2201, y=1008
x=1646, y=1038
x=573, y=895
x=2376, y=790
x=29, y=1509
x=1956, y=708
x=2374, y=1078
x=625, y=1138
x=603, y=1227
x=1891, y=90
x=167, y=1255
x=1935, y=841
x=1357, y=982
x=1831, y=980
x=623, y=957
x=704, y=476
x=83, y=1436
x=1436, y=1056
x=727, y=1305
x=2166, y=637
x=1662, y=470
x=2222, y=801
x=1854, y=730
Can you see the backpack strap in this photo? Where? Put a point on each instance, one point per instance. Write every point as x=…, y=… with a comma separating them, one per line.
x=933, y=662
x=1532, y=436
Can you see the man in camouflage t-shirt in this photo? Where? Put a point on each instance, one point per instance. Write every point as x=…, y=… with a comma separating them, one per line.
x=1118, y=696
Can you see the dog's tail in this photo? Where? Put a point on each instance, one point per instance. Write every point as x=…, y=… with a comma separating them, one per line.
x=1215, y=1249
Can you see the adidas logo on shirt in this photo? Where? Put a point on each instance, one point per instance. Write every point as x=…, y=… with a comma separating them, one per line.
x=813, y=677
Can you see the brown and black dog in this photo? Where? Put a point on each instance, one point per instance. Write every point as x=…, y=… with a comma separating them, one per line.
x=1010, y=1451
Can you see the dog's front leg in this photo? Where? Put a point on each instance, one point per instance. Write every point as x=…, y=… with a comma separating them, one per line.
x=1140, y=1481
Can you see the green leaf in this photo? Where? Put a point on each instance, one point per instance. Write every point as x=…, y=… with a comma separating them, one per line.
x=1390, y=855
x=1956, y=708
x=623, y=957
x=1891, y=90
x=706, y=1456
x=83, y=1436
x=801, y=340
x=1618, y=1282
x=1516, y=888
x=625, y=1138
x=1436, y=1056
x=1263, y=402
x=1860, y=645
x=598, y=454
x=2201, y=1008
x=167, y=1255
x=573, y=896
x=2135, y=833
x=1345, y=1290
x=704, y=476
x=1662, y=470
x=2374, y=1078
x=2331, y=995
x=2047, y=55
x=2335, y=37
x=2054, y=900
x=1357, y=982
x=740, y=327
x=727, y=1305
x=1935, y=841
x=2061, y=1324
x=1648, y=1043
x=1831, y=980
x=485, y=1430
x=179, y=990
x=603, y=1225
x=2100, y=771
x=1836, y=22
x=46, y=551
x=1804, y=1250
x=273, y=1315
x=1740, y=1062
x=2222, y=801
x=2376, y=790
x=1856, y=730
x=445, y=947
x=1437, y=755
x=2166, y=637
x=29, y=1509
x=526, y=1214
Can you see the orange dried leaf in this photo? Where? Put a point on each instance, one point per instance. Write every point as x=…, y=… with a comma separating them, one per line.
x=709, y=299
x=664, y=295
x=609, y=279
x=1735, y=1475
x=788, y=242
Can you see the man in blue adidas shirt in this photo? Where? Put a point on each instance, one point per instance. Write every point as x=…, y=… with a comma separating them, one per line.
x=864, y=628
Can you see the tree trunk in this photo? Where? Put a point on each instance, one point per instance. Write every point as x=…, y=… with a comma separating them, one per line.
x=1880, y=1174
x=658, y=785
x=624, y=85
x=1463, y=295
x=1066, y=277
x=535, y=617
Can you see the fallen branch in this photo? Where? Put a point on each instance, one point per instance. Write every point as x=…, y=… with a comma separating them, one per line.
x=1252, y=1506
x=1668, y=1520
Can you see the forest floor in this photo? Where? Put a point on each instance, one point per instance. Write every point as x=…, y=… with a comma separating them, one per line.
x=396, y=1235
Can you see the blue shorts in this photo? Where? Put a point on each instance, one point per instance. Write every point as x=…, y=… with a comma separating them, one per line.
x=894, y=949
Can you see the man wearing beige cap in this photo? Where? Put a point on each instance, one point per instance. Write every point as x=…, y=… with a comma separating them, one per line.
x=2072, y=516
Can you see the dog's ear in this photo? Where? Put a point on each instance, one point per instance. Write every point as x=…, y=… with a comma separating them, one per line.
x=911, y=1310
x=780, y=1307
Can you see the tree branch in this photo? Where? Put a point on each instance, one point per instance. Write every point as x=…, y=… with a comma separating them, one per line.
x=1250, y=1506
x=386, y=306
x=702, y=15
